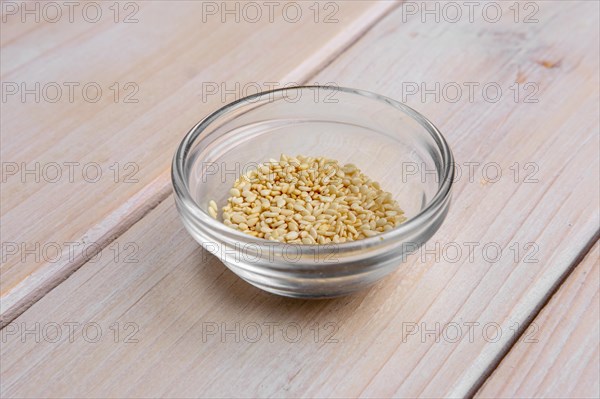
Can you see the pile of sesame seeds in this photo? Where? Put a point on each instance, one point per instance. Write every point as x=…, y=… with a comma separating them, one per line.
x=306, y=200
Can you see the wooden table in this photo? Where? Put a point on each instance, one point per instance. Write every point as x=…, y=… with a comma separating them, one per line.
x=104, y=294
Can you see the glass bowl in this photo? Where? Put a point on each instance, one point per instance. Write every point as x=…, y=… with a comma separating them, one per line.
x=390, y=142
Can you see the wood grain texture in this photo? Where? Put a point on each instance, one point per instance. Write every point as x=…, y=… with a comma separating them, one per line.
x=196, y=321
x=558, y=213
x=563, y=361
x=169, y=55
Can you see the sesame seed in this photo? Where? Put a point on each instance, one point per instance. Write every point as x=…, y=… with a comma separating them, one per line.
x=306, y=200
x=212, y=212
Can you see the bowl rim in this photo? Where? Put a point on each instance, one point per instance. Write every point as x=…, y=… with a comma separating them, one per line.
x=181, y=189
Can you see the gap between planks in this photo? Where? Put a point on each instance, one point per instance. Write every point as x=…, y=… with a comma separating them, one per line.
x=587, y=249
x=150, y=196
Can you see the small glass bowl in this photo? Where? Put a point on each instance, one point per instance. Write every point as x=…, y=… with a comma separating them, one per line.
x=390, y=142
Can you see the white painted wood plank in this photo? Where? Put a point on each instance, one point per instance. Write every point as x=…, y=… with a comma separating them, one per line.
x=169, y=55
x=559, y=356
